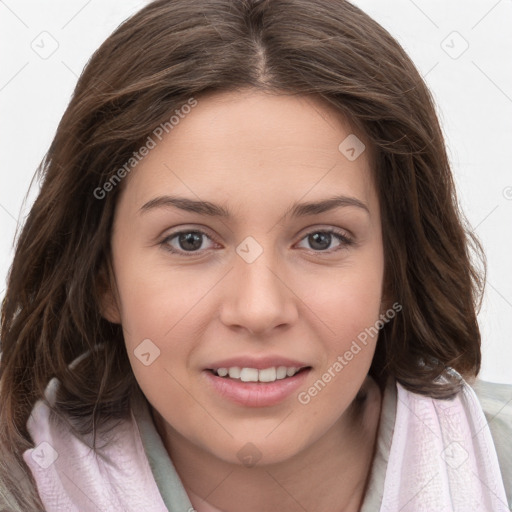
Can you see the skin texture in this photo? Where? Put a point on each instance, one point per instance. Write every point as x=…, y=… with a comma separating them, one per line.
x=256, y=154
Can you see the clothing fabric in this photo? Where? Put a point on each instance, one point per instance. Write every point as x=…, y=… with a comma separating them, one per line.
x=442, y=457
x=430, y=455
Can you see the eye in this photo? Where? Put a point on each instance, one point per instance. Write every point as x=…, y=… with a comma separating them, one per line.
x=190, y=242
x=320, y=240
x=186, y=241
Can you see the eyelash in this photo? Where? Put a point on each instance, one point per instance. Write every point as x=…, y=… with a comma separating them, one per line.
x=345, y=240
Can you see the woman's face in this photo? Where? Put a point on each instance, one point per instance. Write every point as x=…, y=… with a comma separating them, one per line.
x=279, y=264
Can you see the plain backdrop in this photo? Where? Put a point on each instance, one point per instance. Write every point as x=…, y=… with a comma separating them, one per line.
x=462, y=49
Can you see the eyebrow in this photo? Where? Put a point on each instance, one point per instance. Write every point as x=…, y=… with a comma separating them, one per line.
x=214, y=210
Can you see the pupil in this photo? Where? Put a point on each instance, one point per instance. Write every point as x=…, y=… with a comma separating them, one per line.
x=322, y=239
x=190, y=238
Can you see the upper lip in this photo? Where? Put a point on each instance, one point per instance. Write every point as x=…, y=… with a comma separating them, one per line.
x=258, y=363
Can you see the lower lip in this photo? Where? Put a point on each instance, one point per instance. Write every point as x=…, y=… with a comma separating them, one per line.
x=256, y=394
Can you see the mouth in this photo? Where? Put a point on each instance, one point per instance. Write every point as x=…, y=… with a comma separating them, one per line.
x=264, y=375
x=259, y=384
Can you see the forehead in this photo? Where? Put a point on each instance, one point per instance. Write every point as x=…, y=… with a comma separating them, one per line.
x=249, y=147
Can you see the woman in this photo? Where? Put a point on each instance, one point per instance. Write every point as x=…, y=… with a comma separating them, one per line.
x=245, y=283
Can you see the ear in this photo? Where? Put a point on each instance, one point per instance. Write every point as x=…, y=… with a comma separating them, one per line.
x=107, y=298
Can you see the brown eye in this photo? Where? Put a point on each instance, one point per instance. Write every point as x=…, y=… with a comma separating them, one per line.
x=320, y=240
x=190, y=241
x=184, y=242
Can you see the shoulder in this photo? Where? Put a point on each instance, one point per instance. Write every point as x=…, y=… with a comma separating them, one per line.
x=496, y=402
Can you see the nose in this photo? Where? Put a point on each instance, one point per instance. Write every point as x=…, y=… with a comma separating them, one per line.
x=258, y=298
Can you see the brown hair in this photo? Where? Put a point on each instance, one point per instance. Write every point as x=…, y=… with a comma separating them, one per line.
x=150, y=66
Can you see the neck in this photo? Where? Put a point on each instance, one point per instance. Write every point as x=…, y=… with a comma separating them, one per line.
x=330, y=475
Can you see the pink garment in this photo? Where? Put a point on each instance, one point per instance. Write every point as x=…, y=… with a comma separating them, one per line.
x=442, y=459
x=118, y=479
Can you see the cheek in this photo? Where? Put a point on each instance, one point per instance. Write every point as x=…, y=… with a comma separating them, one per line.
x=348, y=300
x=163, y=316
x=351, y=312
x=156, y=300
x=349, y=307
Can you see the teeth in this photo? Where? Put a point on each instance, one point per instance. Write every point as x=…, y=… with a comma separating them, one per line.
x=249, y=375
x=254, y=375
x=234, y=373
x=291, y=371
x=268, y=375
x=281, y=372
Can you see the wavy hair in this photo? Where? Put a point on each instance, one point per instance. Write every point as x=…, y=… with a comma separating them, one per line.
x=151, y=65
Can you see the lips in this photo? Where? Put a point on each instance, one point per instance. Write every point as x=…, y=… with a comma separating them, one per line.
x=256, y=382
x=257, y=363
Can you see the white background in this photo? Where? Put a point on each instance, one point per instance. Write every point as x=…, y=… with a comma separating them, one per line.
x=473, y=93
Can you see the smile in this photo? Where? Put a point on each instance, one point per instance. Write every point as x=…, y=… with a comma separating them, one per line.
x=254, y=375
x=252, y=387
